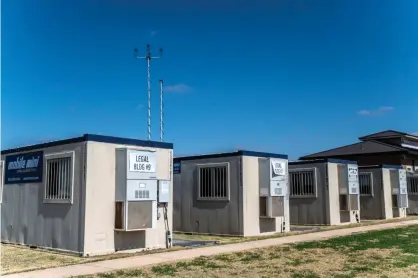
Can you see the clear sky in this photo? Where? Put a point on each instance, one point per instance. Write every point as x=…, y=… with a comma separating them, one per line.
x=284, y=76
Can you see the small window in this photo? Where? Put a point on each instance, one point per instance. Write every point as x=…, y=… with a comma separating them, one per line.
x=59, y=178
x=413, y=185
x=366, y=184
x=2, y=180
x=213, y=182
x=302, y=182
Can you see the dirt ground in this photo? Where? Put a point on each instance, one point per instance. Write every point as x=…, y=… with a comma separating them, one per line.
x=15, y=258
x=19, y=258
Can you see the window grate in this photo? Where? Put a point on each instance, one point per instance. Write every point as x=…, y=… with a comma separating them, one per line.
x=213, y=183
x=141, y=194
x=302, y=183
x=366, y=184
x=413, y=184
x=58, y=185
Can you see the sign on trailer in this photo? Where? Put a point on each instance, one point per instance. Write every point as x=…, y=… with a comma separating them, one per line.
x=279, y=167
x=352, y=173
x=24, y=168
x=177, y=168
x=353, y=181
x=142, y=161
x=403, y=184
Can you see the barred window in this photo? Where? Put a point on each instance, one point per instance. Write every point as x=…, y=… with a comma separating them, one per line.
x=302, y=182
x=59, y=178
x=412, y=185
x=213, y=182
x=366, y=184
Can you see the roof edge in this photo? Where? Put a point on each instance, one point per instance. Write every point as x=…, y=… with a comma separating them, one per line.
x=229, y=154
x=323, y=160
x=380, y=166
x=388, y=130
x=91, y=137
x=309, y=157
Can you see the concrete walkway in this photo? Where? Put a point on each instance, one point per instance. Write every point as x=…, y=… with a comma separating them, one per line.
x=167, y=257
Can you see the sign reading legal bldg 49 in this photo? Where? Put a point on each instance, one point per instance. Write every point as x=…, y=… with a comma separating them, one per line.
x=142, y=161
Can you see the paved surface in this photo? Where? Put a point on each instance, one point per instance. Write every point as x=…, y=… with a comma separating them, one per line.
x=303, y=229
x=166, y=257
x=193, y=243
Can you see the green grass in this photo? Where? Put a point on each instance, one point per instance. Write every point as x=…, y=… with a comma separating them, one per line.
x=403, y=239
x=21, y=259
x=385, y=253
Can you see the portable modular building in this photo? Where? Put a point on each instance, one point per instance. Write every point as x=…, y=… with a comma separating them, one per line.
x=323, y=192
x=240, y=193
x=412, y=193
x=89, y=195
x=383, y=192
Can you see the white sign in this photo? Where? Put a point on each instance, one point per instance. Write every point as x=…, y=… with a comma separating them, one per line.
x=278, y=188
x=279, y=167
x=402, y=174
x=403, y=184
x=352, y=173
x=165, y=186
x=144, y=162
x=21, y=163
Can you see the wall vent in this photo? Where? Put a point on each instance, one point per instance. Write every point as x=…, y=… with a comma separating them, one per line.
x=141, y=194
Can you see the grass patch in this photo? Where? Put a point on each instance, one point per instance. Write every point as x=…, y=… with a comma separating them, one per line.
x=17, y=258
x=20, y=259
x=383, y=239
x=376, y=254
x=130, y=273
x=164, y=270
x=406, y=260
x=304, y=274
x=251, y=256
x=297, y=262
x=343, y=276
x=225, y=257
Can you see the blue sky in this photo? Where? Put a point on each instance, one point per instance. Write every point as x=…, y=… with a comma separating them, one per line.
x=292, y=77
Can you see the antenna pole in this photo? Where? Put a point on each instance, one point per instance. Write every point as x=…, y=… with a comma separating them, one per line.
x=161, y=111
x=148, y=57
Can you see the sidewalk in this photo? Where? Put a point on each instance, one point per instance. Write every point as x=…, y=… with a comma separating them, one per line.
x=167, y=257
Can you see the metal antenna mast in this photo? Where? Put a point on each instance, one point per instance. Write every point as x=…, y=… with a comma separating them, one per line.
x=148, y=57
x=161, y=111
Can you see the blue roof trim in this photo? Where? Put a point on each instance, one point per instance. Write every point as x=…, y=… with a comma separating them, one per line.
x=326, y=160
x=262, y=154
x=381, y=166
x=127, y=141
x=391, y=166
x=94, y=138
x=229, y=154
